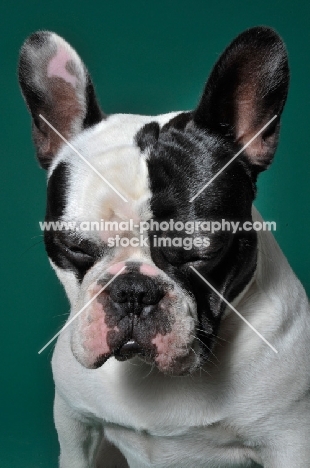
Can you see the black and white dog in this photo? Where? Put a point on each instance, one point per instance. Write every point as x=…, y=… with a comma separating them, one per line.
x=156, y=370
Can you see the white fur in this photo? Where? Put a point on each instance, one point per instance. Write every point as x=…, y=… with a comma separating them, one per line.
x=247, y=403
x=89, y=198
x=241, y=407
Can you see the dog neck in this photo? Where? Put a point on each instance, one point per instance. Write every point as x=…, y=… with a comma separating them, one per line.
x=273, y=277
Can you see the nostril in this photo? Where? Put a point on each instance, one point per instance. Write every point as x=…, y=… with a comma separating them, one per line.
x=118, y=295
x=135, y=289
x=152, y=297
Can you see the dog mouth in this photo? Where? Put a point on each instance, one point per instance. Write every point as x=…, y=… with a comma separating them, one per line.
x=181, y=364
x=129, y=350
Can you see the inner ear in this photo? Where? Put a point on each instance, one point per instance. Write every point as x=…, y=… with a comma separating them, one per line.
x=55, y=84
x=246, y=91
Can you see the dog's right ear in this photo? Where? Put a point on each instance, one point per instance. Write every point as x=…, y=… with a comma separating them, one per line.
x=247, y=89
x=55, y=84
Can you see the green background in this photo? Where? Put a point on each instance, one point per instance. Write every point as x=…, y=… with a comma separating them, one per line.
x=145, y=57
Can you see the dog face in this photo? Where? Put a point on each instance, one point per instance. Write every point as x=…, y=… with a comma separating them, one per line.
x=142, y=298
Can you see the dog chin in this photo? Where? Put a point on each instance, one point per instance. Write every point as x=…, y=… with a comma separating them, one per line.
x=179, y=366
x=166, y=364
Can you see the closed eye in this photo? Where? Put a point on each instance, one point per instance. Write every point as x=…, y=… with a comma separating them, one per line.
x=76, y=249
x=78, y=252
x=81, y=253
x=179, y=258
x=203, y=257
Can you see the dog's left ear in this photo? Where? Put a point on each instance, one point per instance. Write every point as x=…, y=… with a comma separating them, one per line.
x=247, y=88
x=55, y=84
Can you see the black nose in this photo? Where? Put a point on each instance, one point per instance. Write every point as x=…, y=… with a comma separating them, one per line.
x=135, y=293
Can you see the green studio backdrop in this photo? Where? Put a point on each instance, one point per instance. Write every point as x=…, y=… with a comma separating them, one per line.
x=147, y=58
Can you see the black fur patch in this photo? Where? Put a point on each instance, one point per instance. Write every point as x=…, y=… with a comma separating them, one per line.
x=38, y=39
x=247, y=87
x=56, y=192
x=148, y=135
x=180, y=163
x=63, y=247
x=94, y=114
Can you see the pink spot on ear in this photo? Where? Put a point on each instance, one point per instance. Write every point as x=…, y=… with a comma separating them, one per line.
x=57, y=66
x=114, y=269
x=148, y=270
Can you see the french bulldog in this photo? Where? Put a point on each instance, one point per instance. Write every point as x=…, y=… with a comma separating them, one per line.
x=155, y=368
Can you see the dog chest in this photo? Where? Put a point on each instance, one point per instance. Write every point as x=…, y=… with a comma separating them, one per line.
x=195, y=447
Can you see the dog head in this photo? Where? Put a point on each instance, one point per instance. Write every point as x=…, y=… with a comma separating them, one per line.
x=133, y=291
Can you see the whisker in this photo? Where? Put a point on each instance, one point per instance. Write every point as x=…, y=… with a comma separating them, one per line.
x=207, y=347
x=213, y=334
x=133, y=363
x=31, y=247
x=152, y=367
